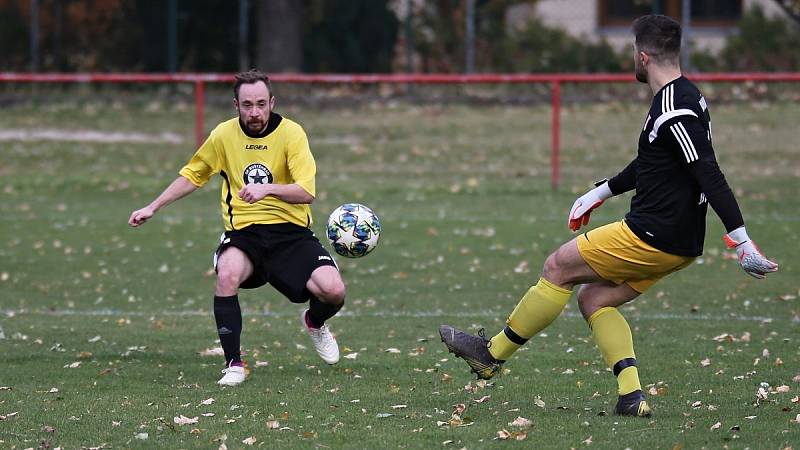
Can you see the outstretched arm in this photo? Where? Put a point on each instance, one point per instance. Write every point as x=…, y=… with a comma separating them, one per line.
x=178, y=189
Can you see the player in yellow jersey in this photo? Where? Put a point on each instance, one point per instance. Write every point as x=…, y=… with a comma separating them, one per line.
x=268, y=184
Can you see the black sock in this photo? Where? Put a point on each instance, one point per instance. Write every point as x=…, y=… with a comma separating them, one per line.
x=319, y=312
x=228, y=316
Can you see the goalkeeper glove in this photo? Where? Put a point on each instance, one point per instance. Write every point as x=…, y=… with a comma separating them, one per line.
x=750, y=257
x=583, y=206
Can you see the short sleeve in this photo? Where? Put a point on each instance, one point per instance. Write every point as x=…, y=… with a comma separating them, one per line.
x=300, y=161
x=204, y=164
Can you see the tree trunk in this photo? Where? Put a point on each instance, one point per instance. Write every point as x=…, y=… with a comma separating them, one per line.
x=280, y=46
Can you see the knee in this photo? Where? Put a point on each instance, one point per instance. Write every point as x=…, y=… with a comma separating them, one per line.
x=551, y=271
x=228, y=281
x=332, y=292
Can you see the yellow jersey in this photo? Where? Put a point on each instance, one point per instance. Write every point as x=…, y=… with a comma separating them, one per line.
x=280, y=154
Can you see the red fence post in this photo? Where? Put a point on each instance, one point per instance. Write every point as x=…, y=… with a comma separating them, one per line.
x=555, y=130
x=199, y=111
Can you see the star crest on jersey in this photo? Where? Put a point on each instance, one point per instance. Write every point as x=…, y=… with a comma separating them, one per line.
x=257, y=174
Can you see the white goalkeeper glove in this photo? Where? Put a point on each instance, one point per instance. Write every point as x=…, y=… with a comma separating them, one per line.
x=583, y=206
x=750, y=257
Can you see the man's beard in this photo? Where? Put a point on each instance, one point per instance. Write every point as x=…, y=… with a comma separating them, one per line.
x=641, y=74
x=255, y=126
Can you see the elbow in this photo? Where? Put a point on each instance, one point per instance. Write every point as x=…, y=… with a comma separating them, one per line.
x=306, y=198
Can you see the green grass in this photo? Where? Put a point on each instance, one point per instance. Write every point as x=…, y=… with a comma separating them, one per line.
x=464, y=196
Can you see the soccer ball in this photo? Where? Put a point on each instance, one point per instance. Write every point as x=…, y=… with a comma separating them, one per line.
x=353, y=230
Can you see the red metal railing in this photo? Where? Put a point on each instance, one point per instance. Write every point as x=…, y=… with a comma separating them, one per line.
x=555, y=80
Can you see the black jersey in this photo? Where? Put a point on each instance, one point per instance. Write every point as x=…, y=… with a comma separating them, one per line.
x=676, y=175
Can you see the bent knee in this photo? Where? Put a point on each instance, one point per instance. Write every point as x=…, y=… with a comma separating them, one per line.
x=228, y=279
x=552, y=270
x=332, y=292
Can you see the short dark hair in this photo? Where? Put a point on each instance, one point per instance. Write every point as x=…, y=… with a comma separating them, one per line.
x=658, y=36
x=249, y=77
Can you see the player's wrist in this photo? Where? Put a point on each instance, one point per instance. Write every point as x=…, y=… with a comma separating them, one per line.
x=602, y=190
x=737, y=237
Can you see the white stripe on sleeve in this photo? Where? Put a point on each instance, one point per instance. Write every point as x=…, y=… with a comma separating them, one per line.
x=692, y=151
x=684, y=141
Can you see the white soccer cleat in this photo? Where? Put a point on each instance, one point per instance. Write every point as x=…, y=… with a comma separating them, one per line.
x=324, y=341
x=234, y=376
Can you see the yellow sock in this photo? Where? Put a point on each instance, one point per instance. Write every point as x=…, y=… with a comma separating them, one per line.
x=538, y=308
x=613, y=336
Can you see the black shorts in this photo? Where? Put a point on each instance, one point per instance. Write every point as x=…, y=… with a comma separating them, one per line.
x=283, y=255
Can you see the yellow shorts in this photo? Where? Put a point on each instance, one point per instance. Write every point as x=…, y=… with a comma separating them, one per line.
x=619, y=256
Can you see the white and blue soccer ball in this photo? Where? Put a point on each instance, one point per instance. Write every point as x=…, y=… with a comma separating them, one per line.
x=353, y=230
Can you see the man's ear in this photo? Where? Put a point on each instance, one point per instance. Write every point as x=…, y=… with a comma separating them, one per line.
x=236, y=104
x=272, y=102
x=644, y=57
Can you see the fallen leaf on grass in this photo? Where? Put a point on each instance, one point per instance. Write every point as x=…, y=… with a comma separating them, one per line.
x=207, y=401
x=521, y=422
x=782, y=389
x=587, y=441
x=716, y=426
x=249, y=441
x=761, y=395
x=9, y=415
x=5, y=388
x=53, y=391
x=724, y=337
x=705, y=363
x=183, y=420
x=399, y=406
x=482, y=399
x=383, y=415
x=213, y=351
x=392, y=350
x=353, y=355
x=273, y=425
x=538, y=402
x=141, y=436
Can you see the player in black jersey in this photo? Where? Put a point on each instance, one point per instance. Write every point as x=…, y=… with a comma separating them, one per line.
x=675, y=176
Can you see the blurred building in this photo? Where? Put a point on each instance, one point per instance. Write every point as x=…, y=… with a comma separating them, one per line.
x=711, y=21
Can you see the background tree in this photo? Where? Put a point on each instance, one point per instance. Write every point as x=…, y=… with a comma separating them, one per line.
x=280, y=44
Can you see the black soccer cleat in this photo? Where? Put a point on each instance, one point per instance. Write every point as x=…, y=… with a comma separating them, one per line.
x=633, y=404
x=472, y=349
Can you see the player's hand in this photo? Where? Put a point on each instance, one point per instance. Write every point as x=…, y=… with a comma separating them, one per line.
x=750, y=258
x=583, y=206
x=254, y=192
x=140, y=216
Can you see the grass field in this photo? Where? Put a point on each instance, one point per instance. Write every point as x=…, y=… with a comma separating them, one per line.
x=104, y=325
